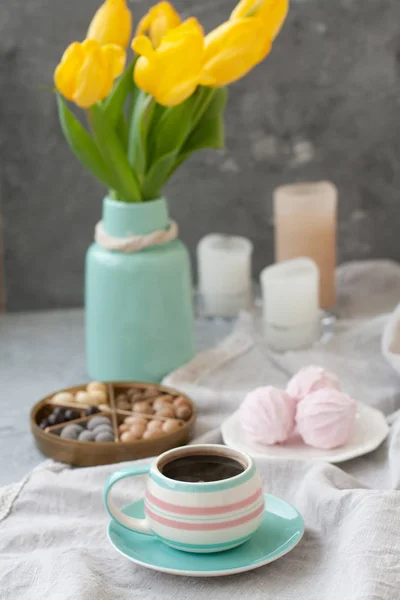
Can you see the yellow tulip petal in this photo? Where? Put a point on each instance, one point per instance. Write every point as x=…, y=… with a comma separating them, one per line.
x=115, y=57
x=112, y=24
x=142, y=45
x=145, y=75
x=275, y=16
x=233, y=49
x=172, y=71
x=271, y=12
x=158, y=21
x=91, y=81
x=244, y=9
x=66, y=73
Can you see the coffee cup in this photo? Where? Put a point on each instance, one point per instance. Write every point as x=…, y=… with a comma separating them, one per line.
x=200, y=498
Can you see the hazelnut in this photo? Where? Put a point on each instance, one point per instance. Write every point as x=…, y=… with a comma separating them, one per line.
x=150, y=434
x=158, y=403
x=183, y=412
x=142, y=407
x=151, y=392
x=181, y=401
x=128, y=436
x=154, y=425
x=171, y=425
x=136, y=421
x=166, y=411
x=137, y=429
x=123, y=427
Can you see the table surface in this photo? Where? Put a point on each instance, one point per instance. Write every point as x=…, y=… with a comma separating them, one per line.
x=40, y=353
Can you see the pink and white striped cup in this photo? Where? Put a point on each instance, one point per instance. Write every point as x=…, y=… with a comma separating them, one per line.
x=195, y=516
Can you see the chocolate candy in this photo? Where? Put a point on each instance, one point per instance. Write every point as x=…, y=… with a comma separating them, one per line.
x=86, y=436
x=71, y=414
x=71, y=432
x=91, y=410
x=44, y=423
x=104, y=436
x=101, y=428
x=98, y=421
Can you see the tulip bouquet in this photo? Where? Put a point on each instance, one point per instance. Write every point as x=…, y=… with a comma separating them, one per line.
x=144, y=119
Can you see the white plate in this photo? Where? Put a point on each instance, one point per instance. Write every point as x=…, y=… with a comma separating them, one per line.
x=371, y=430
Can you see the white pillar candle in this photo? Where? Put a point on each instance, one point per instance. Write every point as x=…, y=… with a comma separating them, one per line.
x=224, y=272
x=290, y=304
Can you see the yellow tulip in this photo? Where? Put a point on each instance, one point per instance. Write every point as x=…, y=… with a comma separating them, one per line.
x=271, y=12
x=172, y=71
x=233, y=49
x=87, y=71
x=112, y=24
x=159, y=20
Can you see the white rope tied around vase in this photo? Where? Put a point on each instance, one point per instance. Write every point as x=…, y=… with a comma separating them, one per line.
x=134, y=243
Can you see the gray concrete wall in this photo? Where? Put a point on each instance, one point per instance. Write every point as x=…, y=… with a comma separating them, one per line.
x=324, y=105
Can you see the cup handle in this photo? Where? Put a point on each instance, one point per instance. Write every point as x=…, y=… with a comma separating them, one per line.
x=139, y=525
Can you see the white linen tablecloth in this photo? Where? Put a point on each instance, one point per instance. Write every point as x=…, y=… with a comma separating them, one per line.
x=53, y=543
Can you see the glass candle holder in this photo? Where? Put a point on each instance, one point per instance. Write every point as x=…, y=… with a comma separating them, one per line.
x=224, y=273
x=305, y=217
x=290, y=293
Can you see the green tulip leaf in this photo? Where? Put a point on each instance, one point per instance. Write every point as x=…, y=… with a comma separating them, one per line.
x=114, y=155
x=114, y=103
x=82, y=144
x=138, y=133
x=157, y=176
x=172, y=129
x=209, y=131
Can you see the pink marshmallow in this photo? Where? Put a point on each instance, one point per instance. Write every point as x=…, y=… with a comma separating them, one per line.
x=310, y=379
x=326, y=418
x=267, y=415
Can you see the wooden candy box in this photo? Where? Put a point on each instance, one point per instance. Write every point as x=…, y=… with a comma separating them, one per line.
x=124, y=402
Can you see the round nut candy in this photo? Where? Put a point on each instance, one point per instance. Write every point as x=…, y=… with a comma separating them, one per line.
x=63, y=397
x=97, y=386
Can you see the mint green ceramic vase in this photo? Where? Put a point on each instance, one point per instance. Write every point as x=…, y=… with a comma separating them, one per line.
x=139, y=311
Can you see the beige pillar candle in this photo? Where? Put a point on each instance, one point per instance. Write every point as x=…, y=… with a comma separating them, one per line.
x=305, y=225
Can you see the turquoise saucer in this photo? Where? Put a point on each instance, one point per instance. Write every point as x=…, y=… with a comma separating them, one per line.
x=280, y=531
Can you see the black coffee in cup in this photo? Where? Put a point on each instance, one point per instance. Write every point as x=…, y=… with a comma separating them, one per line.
x=197, y=468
